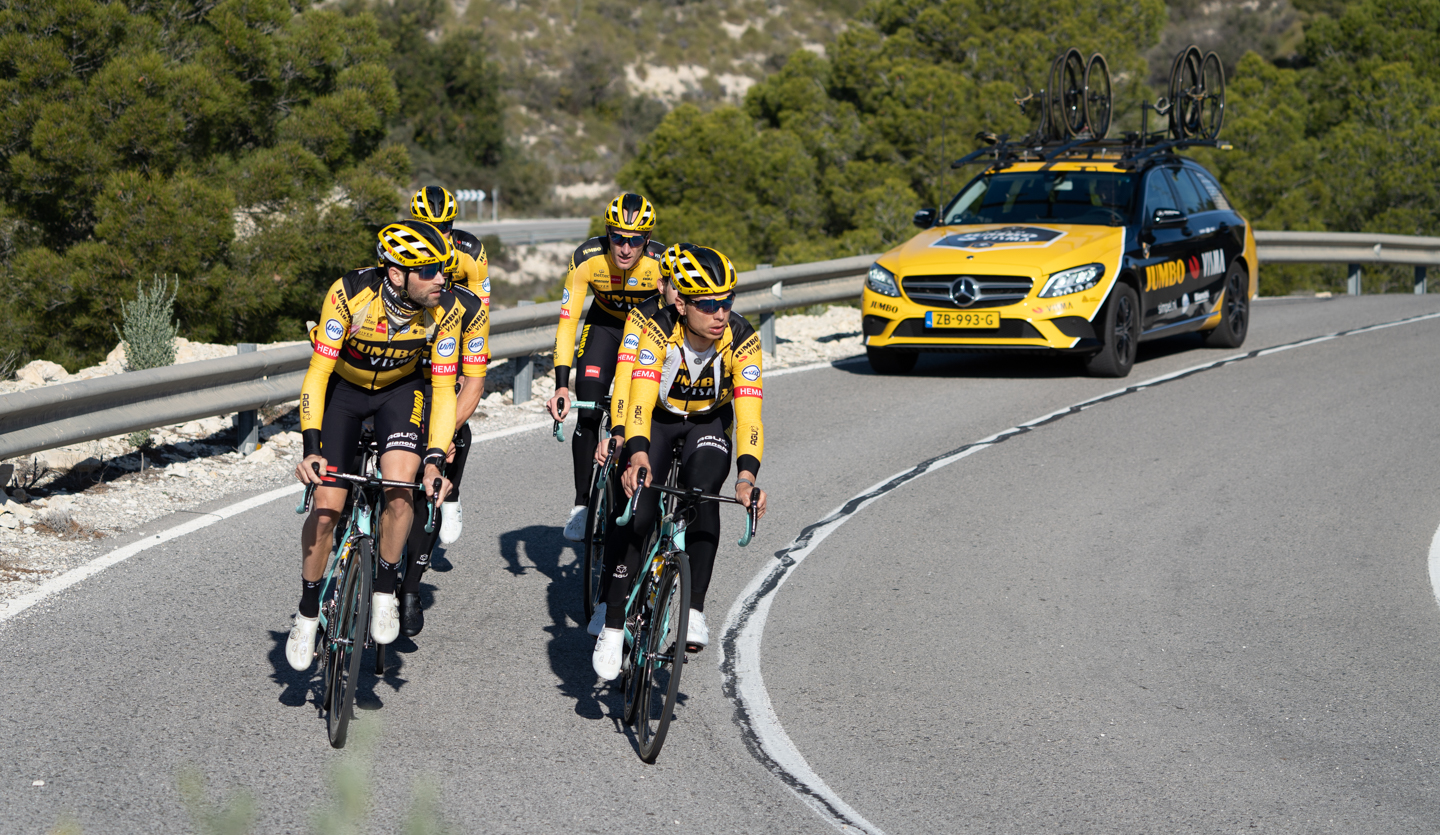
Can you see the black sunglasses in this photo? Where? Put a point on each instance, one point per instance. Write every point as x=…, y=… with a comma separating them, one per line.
x=712, y=305
x=628, y=240
x=429, y=271
x=445, y=227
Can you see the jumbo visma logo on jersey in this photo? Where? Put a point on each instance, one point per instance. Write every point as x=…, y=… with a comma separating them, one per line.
x=1170, y=273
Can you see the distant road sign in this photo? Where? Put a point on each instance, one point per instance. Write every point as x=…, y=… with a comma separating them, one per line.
x=470, y=195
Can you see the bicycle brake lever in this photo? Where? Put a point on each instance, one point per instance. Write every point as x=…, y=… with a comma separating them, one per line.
x=434, y=499
x=749, y=521
x=559, y=430
x=309, y=499
x=630, y=506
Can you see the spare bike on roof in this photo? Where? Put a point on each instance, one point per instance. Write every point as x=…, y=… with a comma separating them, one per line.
x=1074, y=113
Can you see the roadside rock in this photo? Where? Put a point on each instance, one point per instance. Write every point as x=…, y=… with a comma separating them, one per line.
x=40, y=372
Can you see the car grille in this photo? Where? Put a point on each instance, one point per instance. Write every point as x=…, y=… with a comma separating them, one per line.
x=994, y=290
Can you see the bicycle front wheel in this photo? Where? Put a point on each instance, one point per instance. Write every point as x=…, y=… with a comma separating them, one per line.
x=346, y=639
x=597, y=526
x=664, y=656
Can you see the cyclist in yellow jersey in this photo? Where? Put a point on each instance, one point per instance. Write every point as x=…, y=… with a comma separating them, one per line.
x=474, y=358
x=437, y=206
x=375, y=325
x=697, y=382
x=470, y=270
x=621, y=268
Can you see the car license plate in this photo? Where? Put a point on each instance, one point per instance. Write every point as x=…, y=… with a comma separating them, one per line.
x=962, y=319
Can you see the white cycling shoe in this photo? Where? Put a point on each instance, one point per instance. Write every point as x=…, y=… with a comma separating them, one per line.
x=608, y=649
x=597, y=623
x=697, y=634
x=384, y=618
x=450, y=522
x=300, y=648
x=575, y=525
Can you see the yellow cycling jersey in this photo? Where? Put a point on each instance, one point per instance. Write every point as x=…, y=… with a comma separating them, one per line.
x=474, y=335
x=474, y=274
x=616, y=290
x=625, y=359
x=733, y=375
x=357, y=340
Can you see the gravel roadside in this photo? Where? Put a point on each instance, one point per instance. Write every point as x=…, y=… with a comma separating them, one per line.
x=64, y=507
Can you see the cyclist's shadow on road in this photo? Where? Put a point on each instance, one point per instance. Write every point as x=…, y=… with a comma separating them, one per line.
x=543, y=549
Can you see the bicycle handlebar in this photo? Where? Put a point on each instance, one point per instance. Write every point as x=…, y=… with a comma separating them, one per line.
x=575, y=404
x=695, y=495
x=305, y=503
x=434, y=499
x=634, y=497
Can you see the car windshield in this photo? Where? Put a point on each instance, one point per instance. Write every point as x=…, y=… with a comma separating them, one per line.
x=1083, y=197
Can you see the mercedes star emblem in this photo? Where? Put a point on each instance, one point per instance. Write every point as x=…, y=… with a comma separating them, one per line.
x=964, y=292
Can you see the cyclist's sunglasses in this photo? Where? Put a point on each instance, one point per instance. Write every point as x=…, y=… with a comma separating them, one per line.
x=712, y=305
x=429, y=271
x=445, y=227
x=628, y=240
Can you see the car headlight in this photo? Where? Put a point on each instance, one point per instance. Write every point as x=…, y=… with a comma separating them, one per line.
x=1070, y=281
x=882, y=281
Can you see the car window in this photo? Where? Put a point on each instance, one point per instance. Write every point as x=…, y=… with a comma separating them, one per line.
x=1158, y=194
x=1212, y=188
x=1191, y=201
x=1207, y=203
x=1081, y=197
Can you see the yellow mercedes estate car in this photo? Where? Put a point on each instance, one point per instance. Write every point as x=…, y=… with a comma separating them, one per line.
x=1090, y=251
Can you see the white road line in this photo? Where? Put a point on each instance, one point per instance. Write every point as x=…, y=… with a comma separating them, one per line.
x=744, y=628
x=58, y=584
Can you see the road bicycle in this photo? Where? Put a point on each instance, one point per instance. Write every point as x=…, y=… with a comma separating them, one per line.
x=603, y=492
x=348, y=583
x=657, y=612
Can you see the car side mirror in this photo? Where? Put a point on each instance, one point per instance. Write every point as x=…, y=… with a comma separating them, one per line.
x=1169, y=217
x=925, y=218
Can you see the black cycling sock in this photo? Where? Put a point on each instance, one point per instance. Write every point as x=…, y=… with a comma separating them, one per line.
x=310, y=597
x=414, y=570
x=386, y=577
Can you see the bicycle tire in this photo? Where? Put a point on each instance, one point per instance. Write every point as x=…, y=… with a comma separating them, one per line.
x=630, y=664
x=1099, y=104
x=596, y=528
x=1211, y=114
x=1050, y=129
x=1184, y=81
x=352, y=621
x=660, y=672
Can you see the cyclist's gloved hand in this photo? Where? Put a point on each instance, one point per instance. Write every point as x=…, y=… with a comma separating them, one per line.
x=559, y=403
x=305, y=471
x=632, y=472
x=432, y=472
x=746, y=492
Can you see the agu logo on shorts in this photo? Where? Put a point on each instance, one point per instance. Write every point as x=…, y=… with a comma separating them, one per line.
x=334, y=329
x=565, y=296
x=751, y=373
x=476, y=345
x=632, y=341
x=647, y=358
x=446, y=346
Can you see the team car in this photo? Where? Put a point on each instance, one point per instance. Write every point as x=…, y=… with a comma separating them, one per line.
x=1080, y=244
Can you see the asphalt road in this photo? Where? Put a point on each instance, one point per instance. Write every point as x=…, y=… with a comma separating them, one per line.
x=1203, y=606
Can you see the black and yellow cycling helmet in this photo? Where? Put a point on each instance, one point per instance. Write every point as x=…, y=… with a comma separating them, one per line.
x=630, y=213
x=412, y=244
x=698, y=270
x=434, y=204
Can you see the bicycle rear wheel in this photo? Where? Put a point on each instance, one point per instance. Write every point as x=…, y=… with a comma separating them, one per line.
x=664, y=656
x=346, y=640
x=596, y=529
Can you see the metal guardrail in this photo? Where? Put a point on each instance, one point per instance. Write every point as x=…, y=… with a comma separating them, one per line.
x=70, y=413
x=1354, y=249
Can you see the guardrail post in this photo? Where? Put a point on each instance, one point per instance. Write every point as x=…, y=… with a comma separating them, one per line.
x=1420, y=284
x=1354, y=280
x=767, y=319
x=247, y=424
x=524, y=371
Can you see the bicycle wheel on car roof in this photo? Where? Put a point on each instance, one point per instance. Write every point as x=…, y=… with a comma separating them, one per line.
x=1067, y=81
x=1185, y=93
x=346, y=639
x=664, y=658
x=1099, y=100
x=1211, y=115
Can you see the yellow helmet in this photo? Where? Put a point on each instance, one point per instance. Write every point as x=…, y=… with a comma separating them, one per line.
x=698, y=270
x=411, y=244
x=630, y=213
x=433, y=204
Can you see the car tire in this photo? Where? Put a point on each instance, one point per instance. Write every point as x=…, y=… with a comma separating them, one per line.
x=1119, y=333
x=1234, y=313
x=888, y=361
